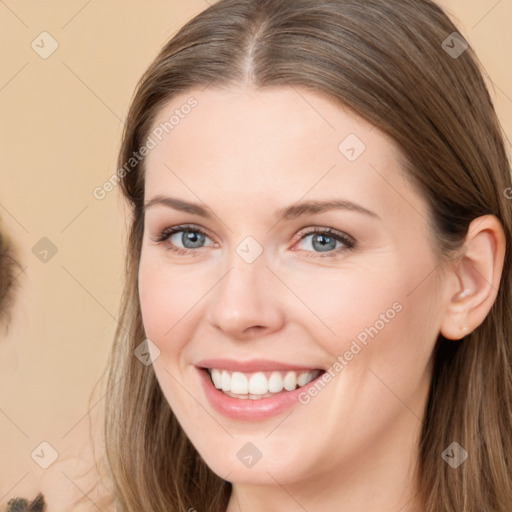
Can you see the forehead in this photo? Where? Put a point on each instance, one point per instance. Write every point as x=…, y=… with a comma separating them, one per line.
x=269, y=143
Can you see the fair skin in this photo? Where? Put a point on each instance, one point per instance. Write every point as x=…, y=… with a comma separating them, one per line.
x=243, y=154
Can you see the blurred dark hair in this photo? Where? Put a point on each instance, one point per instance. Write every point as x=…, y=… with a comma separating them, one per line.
x=10, y=268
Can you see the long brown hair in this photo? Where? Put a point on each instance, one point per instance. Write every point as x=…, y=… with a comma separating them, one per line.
x=393, y=64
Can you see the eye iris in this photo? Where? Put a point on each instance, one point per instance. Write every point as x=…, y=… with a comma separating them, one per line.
x=194, y=237
x=324, y=246
x=320, y=241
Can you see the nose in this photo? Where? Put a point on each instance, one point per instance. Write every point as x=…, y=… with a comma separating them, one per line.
x=245, y=302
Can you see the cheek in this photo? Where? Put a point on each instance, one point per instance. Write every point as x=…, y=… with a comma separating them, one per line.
x=342, y=303
x=165, y=299
x=372, y=316
x=152, y=300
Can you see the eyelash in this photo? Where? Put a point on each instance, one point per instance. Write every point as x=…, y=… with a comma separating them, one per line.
x=348, y=242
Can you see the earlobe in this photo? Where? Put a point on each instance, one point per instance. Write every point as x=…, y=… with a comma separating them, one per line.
x=478, y=273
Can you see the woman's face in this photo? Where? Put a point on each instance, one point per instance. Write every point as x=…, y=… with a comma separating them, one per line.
x=257, y=295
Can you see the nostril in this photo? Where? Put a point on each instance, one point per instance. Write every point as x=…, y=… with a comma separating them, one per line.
x=255, y=327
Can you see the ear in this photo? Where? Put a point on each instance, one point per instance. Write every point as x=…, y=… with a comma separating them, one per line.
x=477, y=275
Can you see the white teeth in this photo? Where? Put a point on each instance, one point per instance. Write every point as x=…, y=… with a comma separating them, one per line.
x=260, y=384
x=304, y=378
x=216, y=378
x=226, y=381
x=239, y=384
x=290, y=381
x=275, y=382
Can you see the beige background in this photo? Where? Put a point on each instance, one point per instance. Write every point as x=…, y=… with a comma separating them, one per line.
x=61, y=121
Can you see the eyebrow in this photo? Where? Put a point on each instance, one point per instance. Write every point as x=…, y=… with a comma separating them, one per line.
x=286, y=213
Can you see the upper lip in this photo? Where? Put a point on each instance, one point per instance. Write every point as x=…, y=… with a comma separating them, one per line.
x=254, y=365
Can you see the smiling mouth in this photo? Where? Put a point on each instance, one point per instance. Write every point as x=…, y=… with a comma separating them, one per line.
x=259, y=385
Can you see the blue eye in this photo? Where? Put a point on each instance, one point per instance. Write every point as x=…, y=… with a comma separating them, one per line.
x=191, y=238
x=324, y=241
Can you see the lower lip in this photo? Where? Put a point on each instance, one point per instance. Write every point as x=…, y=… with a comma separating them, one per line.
x=249, y=409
